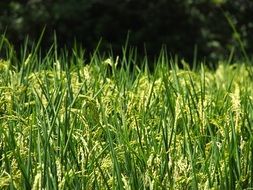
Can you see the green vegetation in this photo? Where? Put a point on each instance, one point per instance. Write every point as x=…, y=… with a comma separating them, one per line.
x=111, y=124
x=182, y=25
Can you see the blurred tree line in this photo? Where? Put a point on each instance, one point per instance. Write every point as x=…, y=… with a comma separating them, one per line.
x=181, y=25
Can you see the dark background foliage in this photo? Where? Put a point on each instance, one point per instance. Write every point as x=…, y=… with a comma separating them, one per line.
x=181, y=25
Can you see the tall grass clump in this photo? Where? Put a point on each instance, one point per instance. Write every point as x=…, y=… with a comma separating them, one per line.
x=111, y=123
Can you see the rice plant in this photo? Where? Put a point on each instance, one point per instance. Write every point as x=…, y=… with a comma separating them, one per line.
x=111, y=123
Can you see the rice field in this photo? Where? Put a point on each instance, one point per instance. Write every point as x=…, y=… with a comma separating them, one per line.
x=111, y=123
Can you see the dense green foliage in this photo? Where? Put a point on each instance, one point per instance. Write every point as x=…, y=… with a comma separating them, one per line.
x=66, y=125
x=181, y=25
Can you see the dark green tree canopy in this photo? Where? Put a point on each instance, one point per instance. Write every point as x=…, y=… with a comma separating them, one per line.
x=180, y=25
